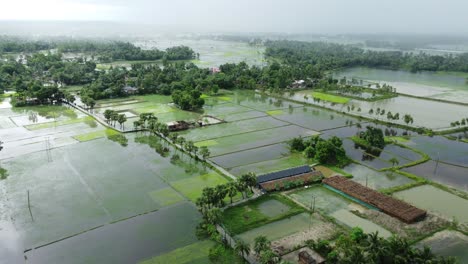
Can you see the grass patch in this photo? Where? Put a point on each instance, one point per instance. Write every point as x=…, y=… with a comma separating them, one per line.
x=275, y=112
x=206, y=143
x=95, y=135
x=330, y=98
x=86, y=119
x=401, y=139
x=193, y=253
x=166, y=196
x=338, y=170
x=247, y=216
x=192, y=187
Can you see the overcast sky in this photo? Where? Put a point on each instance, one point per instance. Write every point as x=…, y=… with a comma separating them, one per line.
x=310, y=16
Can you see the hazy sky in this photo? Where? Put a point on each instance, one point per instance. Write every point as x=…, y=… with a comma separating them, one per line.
x=320, y=16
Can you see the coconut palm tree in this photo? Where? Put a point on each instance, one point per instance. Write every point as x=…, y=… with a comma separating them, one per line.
x=242, y=248
x=121, y=119
x=261, y=243
x=231, y=190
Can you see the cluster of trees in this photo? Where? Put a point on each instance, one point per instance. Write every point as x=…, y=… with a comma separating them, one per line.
x=407, y=118
x=209, y=204
x=262, y=248
x=373, y=136
x=107, y=51
x=463, y=122
x=328, y=56
x=188, y=99
x=358, y=247
x=113, y=116
x=326, y=151
x=16, y=45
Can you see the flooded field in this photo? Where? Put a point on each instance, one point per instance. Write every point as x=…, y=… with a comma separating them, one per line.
x=440, y=148
x=424, y=197
x=448, y=243
x=134, y=240
x=419, y=109
x=439, y=85
x=443, y=173
x=374, y=179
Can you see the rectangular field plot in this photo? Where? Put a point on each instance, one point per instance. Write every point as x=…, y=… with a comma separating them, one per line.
x=258, y=212
x=252, y=155
x=257, y=139
x=448, y=243
x=281, y=228
x=232, y=128
x=454, y=176
x=290, y=161
x=352, y=220
x=315, y=118
x=224, y=109
x=130, y=241
x=325, y=200
x=69, y=195
x=374, y=179
x=262, y=102
x=192, y=187
x=441, y=148
x=436, y=200
x=241, y=116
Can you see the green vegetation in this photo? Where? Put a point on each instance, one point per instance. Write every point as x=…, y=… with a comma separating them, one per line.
x=330, y=98
x=3, y=173
x=328, y=56
x=192, y=187
x=95, y=135
x=246, y=216
x=194, y=253
x=328, y=151
x=372, y=137
x=358, y=247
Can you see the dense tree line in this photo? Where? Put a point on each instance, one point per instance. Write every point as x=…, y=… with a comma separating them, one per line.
x=328, y=56
x=16, y=45
x=358, y=247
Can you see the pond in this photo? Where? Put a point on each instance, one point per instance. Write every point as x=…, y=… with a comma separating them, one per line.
x=325, y=200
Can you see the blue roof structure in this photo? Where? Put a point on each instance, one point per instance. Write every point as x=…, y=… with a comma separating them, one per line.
x=283, y=174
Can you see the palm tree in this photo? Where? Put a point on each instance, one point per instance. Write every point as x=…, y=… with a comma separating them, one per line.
x=108, y=114
x=269, y=257
x=231, y=190
x=261, y=243
x=242, y=248
x=121, y=119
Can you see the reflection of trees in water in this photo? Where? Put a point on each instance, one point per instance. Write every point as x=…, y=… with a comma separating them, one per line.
x=32, y=116
x=369, y=154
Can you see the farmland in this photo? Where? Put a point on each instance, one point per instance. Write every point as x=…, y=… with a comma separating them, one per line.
x=78, y=190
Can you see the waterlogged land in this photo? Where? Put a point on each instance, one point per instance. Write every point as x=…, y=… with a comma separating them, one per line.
x=103, y=194
x=437, y=85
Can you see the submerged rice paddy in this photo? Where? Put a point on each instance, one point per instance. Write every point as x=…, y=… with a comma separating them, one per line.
x=91, y=197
